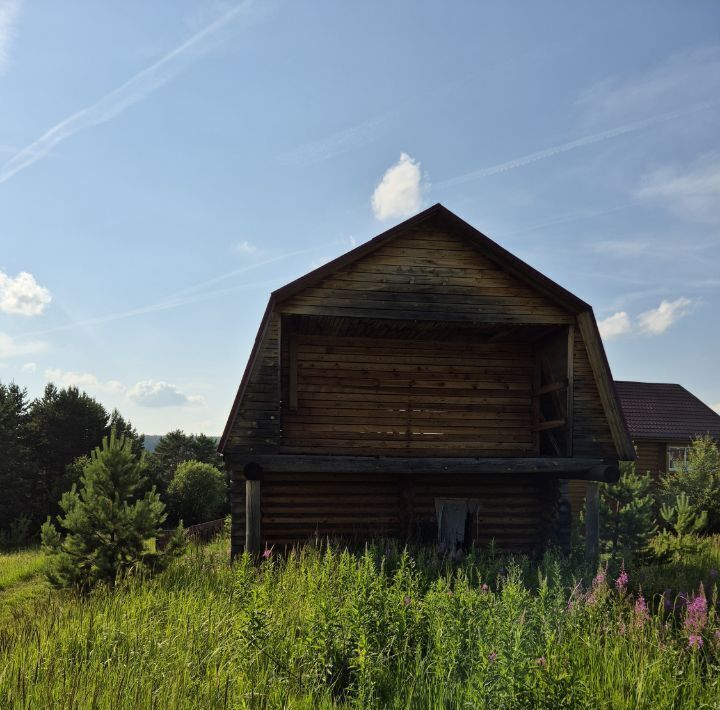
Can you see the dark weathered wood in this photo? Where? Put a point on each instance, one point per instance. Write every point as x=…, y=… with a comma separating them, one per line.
x=300, y=463
x=605, y=386
x=570, y=393
x=592, y=522
x=253, y=521
x=552, y=424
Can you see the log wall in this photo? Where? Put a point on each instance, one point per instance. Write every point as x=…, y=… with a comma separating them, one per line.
x=515, y=512
x=256, y=428
x=408, y=397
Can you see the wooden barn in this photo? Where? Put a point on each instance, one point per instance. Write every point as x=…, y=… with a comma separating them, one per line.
x=426, y=385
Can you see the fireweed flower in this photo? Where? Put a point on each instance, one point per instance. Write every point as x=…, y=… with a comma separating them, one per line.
x=622, y=580
x=695, y=642
x=599, y=578
x=641, y=613
x=492, y=657
x=484, y=588
x=696, y=614
x=267, y=553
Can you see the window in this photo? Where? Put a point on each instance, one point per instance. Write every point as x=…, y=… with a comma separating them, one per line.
x=677, y=457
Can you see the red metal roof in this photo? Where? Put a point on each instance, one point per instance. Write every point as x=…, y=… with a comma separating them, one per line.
x=666, y=412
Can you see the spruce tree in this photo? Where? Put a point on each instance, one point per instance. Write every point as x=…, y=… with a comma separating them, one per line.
x=627, y=518
x=107, y=529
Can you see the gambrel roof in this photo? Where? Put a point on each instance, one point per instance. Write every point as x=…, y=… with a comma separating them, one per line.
x=570, y=304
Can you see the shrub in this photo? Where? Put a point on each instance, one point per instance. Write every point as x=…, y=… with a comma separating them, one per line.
x=197, y=492
x=626, y=514
x=107, y=527
x=699, y=480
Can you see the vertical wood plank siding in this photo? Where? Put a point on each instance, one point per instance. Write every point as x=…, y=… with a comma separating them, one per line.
x=427, y=274
x=515, y=512
x=406, y=397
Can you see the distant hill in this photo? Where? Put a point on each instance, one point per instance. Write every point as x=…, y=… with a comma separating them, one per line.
x=151, y=440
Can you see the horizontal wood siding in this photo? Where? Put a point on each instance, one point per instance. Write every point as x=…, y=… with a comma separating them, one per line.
x=651, y=457
x=427, y=274
x=515, y=512
x=384, y=396
x=257, y=425
x=591, y=433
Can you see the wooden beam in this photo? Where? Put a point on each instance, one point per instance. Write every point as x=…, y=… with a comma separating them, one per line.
x=292, y=373
x=551, y=387
x=253, y=532
x=592, y=522
x=605, y=385
x=552, y=424
x=571, y=468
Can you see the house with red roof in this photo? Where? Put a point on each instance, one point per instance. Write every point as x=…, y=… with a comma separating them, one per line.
x=663, y=419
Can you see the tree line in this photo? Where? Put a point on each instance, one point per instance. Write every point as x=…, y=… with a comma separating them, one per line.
x=46, y=442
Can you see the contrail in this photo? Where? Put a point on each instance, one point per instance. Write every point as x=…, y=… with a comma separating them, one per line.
x=125, y=95
x=578, y=143
x=188, y=295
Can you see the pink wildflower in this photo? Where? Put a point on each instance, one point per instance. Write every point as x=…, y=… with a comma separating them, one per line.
x=492, y=657
x=267, y=553
x=641, y=610
x=696, y=614
x=484, y=588
x=622, y=580
x=717, y=635
x=600, y=578
x=695, y=641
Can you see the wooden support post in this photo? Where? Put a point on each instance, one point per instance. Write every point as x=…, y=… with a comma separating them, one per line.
x=592, y=522
x=237, y=514
x=253, y=533
x=564, y=517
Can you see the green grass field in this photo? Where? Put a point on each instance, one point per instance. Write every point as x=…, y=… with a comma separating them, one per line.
x=323, y=628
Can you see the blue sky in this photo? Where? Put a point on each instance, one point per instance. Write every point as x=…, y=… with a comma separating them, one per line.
x=164, y=165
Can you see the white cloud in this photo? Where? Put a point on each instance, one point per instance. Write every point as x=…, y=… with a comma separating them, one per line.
x=84, y=381
x=8, y=14
x=11, y=347
x=245, y=247
x=658, y=320
x=116, y=101
x=152, y=393
x=614, y=325
x=400, y=191
x=693, y=193
x=22, y=295
x=29, y=367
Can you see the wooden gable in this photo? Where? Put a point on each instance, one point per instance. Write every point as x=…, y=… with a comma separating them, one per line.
x=433, y=268
x=429, y=272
